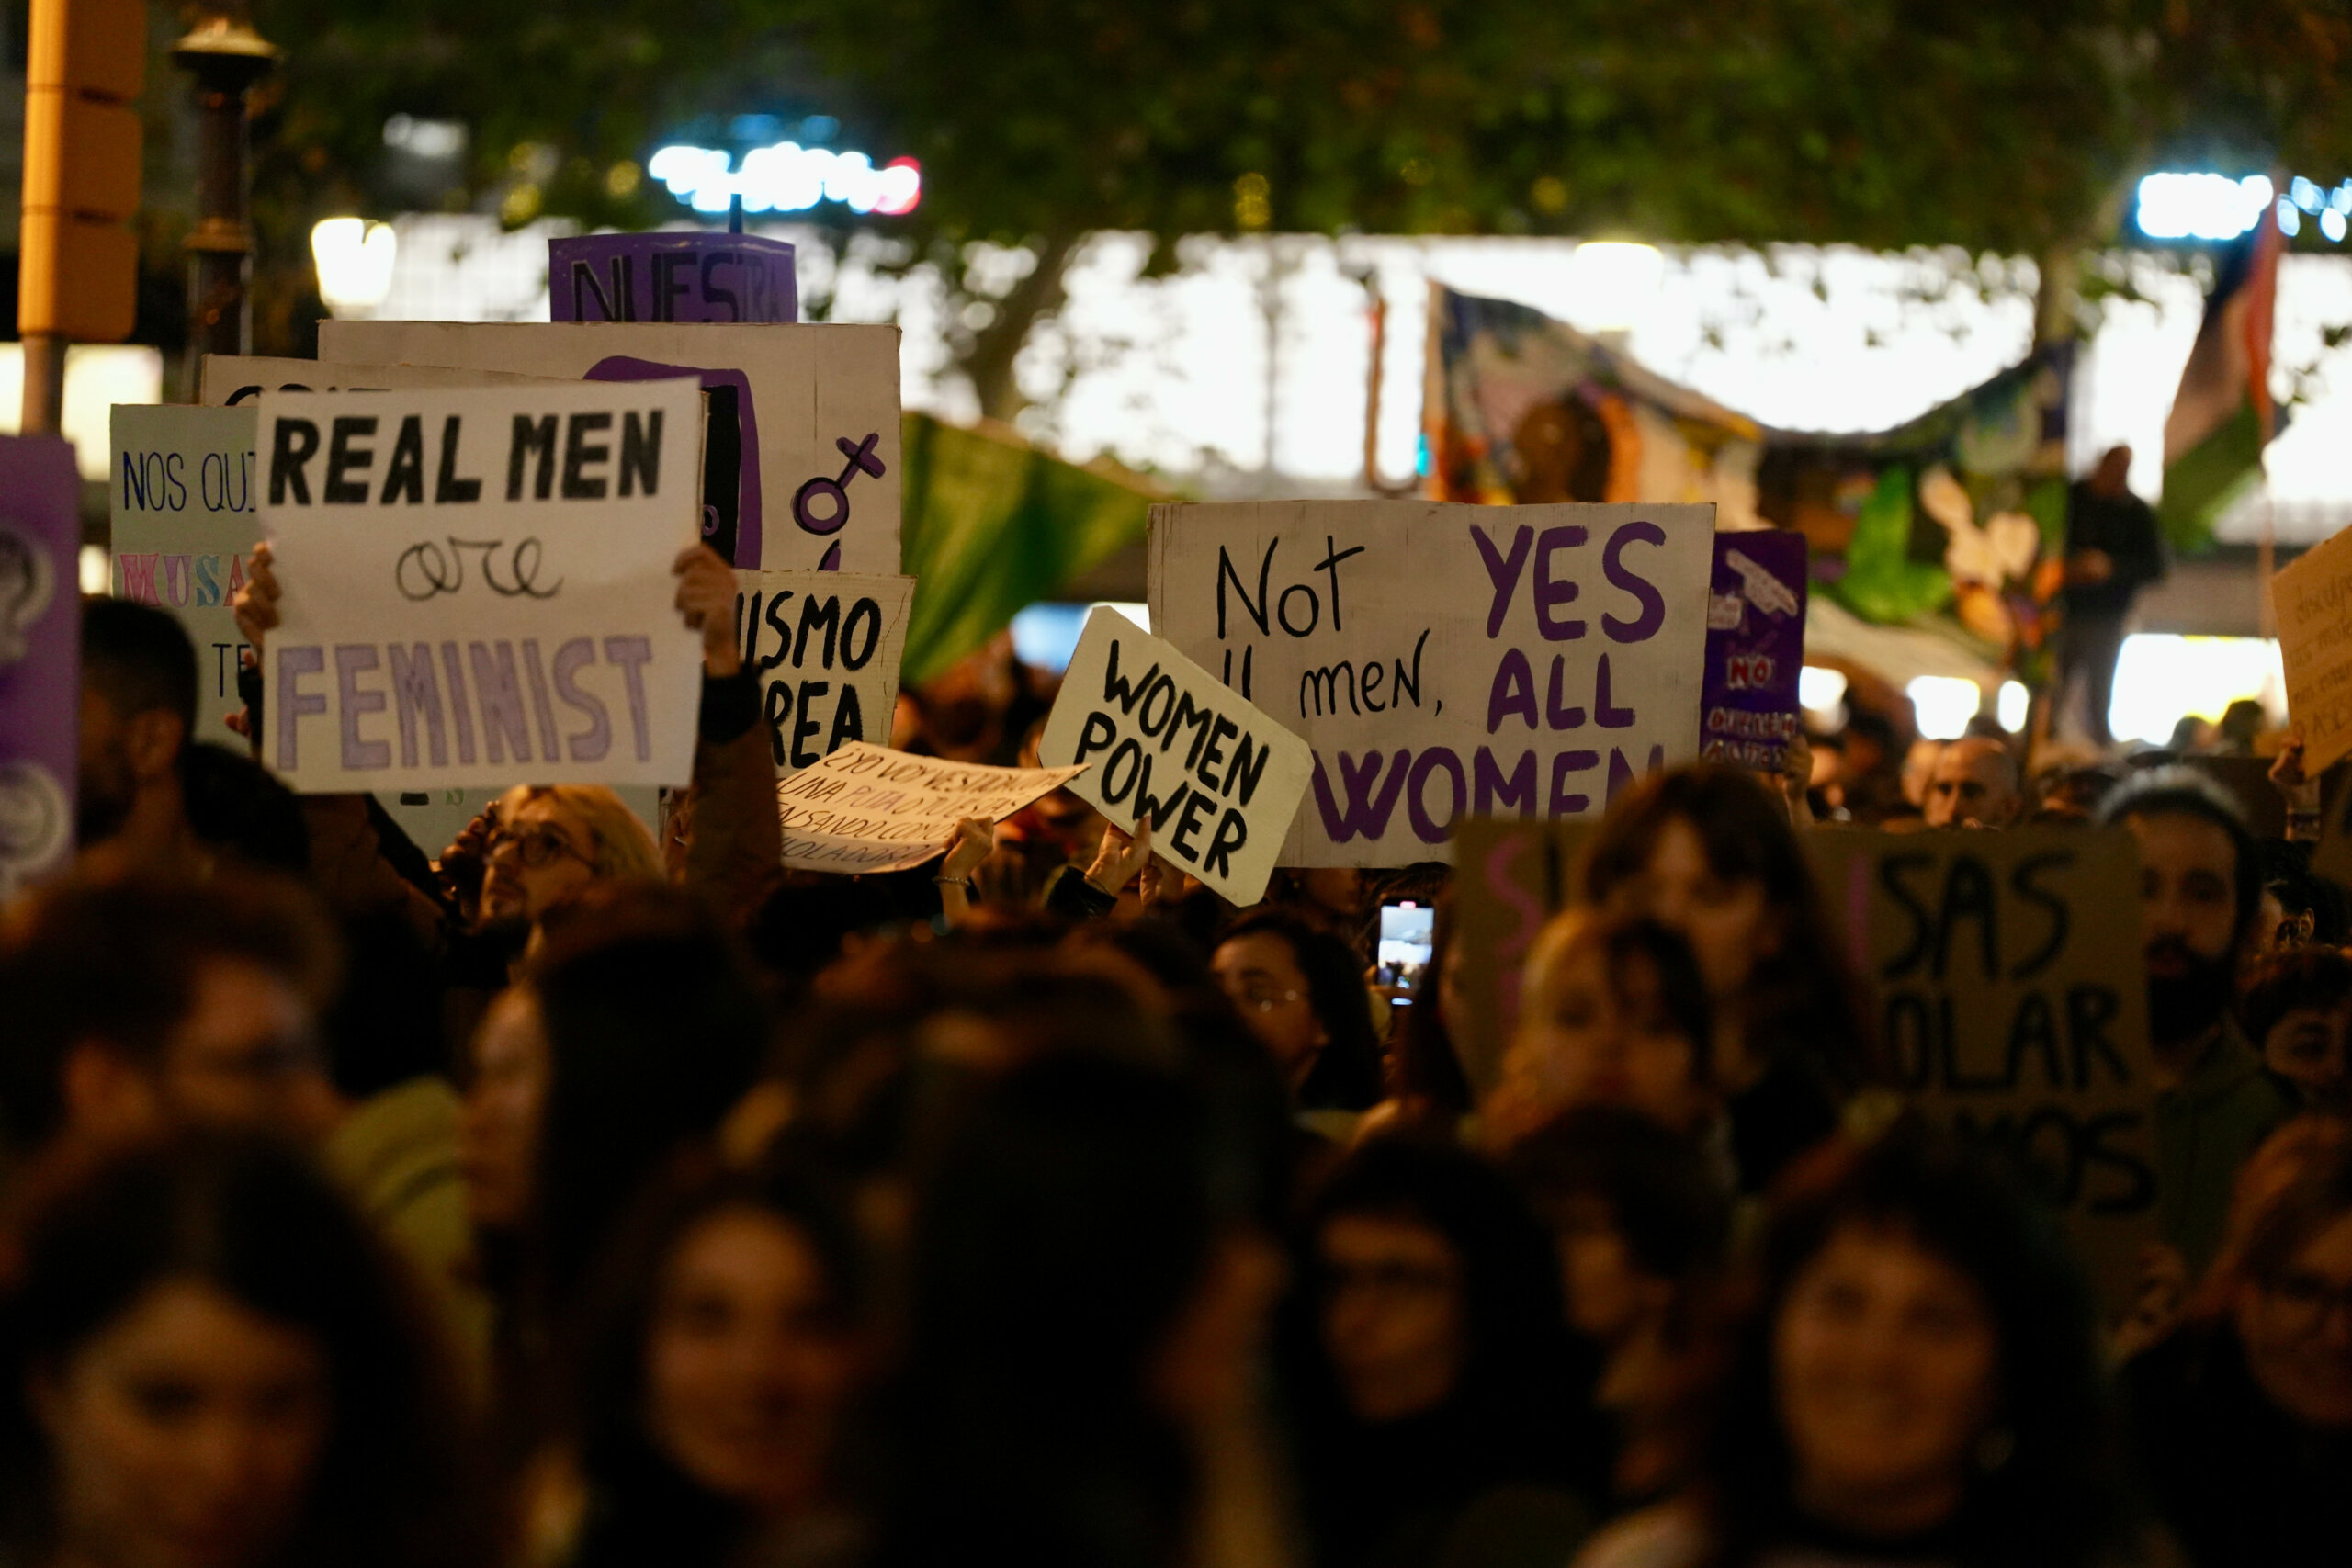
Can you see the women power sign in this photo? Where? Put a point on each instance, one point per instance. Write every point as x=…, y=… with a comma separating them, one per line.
x=477, y=586
x=1445, y=661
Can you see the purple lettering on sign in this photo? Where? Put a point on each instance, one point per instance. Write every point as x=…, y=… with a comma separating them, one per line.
x=293, y=703
x=352, y=660
x=680, y=277
x=731, y=459
x=1755, y=604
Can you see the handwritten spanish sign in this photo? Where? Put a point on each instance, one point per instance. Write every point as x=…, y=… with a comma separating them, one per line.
x=825, y=647
x=1755, y=648
x=2012, y=1004
x=682, y=276
x=800, y=467
x=477, y=586
x=2311, y=601
x=1445, y=661
x=1219, y=780
x=227, y=380
x=868, y=808
x=185, y=517
x=40, y=657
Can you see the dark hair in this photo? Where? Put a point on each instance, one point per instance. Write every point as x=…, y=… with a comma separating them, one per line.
x=1681, y=989
x=1672, y=1210
x=642, y=1507
x=140, y=659
x=1346, y=1076
x=654, y=1031
x=2057, y=1501
x=2297, y=1184
x=2294, y=978
x=1423, y=1064
x=267, y=1229
x=1058, y=1233
x=117, y=963
x=1804, y=1005
x=235, y=804
x=2183, y=792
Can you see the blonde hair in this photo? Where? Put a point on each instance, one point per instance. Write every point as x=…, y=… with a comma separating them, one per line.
x=620, y=846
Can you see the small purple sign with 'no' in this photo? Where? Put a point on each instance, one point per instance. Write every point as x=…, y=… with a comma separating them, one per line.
x=678, y=275
x=1748, y=701
x=41, y=655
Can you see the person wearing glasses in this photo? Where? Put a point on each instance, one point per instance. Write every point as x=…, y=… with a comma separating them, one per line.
x=2243, y=1416
x=1301, y=992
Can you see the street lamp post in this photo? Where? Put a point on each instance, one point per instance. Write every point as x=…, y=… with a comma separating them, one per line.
x=227, y=56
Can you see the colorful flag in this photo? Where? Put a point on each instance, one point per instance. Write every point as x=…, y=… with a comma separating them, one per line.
x=2221, y=416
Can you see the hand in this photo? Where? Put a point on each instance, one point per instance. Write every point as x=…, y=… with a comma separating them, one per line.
x=256, y=606
x=2287, y=768
x=467, y=858
x=1796, y=767
x=2089, y=566
x=1121, y=857
x=972, y=842
x=706, y=599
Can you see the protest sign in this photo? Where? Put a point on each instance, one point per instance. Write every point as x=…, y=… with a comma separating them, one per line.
x=227, y=380
x=1755, y=650
x=691, y=275
x=800, y=467
x=825, y=647
x=184, y=518
x=40, y=657
x=2011, y=1003
x=1509, y=877
x=868, y=808
x=2311, y=601
x=1445, y=661
x=477, y=586
x=1220, y=781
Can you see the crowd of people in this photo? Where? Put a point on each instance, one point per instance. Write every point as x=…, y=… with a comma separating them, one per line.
x=584, y=1196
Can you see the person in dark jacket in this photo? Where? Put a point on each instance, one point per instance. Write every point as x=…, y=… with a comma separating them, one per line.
x=2113, y=550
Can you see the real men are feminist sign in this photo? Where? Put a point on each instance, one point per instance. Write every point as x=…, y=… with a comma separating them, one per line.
x=1445, y=661
x=477, y=586
x=1218, y=780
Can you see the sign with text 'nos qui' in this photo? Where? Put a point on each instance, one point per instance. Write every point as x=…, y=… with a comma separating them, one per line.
x=477, y=588
x=1219, y=780
x=800, y=470
x=2011, y=1002
x=2313, y=602
x=868, y=808
x=825, y=647
x=1445, y=661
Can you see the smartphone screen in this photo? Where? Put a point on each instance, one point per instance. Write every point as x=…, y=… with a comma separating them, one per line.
x=1406, y=930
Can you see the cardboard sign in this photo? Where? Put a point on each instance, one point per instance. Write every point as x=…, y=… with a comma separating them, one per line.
x=1220, y=781
x=685, y=276
x=868, y=808
x=2012, y=1002
x=1445, y=661
x=801, y=458
x=2311, y=601
x=826, y=647
x=476, y=586
x=1755, y=650
x=40, y=657
x=185, y=517
x=1509, y=879
x=229, y=380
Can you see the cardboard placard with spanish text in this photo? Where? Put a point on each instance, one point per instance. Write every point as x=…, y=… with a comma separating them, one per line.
x=1445, y=661
x=229, y=380
x=1747, y=714
x=825, y=648
x=1219, y=781
x=2310, y=600
x=801, y=467
x=476, y=586
x=868, y=808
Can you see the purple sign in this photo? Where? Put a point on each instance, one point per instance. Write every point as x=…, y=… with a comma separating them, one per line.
x=686, y=275
x=1747, y=705
x=41, y=655
x=730, y=453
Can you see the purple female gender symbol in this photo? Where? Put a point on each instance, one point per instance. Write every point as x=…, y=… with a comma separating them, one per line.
x=861, y=460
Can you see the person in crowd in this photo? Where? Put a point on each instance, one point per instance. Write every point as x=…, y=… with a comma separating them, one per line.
x=1428, y=1088
x=2200, y=887
x=1918, y=1380
x=1087, y=1291
x=136, y=1005
x=2297, y=1007
x=240, y=814
x=211, y=1362
x=712, y=1392
x=1974, y=784
x=2243, y=1416
x=1443, y=1410
x=1301, y=991
x=541, y=843
x=1613, y=1013
x=1709, y=852
x=138, y=719
x=2113, y=550
x=1641, y=1225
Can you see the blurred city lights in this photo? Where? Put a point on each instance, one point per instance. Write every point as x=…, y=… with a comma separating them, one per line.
x=2011, y=706
x=2160, y=679
x=2176, y=206
x=1614, y=283
x=1820, y=690
x=786, y=177
x=354, y=260
x=1944, y=704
